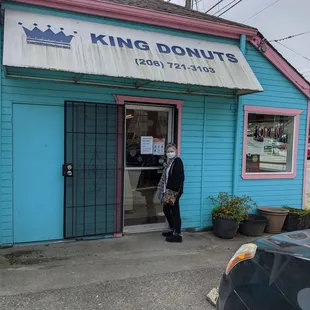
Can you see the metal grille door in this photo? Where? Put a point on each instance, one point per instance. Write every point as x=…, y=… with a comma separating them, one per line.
x=93, y=169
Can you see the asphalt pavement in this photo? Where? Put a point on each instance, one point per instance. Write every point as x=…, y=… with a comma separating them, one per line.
x=133, y=272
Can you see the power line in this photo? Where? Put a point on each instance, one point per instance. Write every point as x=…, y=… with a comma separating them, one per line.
x=294, y=51
x=290, y=37
x=224, y=7
x=214, y=6
x=264, y=9
x=230, y=8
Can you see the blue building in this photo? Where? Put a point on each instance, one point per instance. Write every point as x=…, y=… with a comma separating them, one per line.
x=92, y=91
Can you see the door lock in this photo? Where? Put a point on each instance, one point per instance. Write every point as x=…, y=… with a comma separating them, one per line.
x=67, y=170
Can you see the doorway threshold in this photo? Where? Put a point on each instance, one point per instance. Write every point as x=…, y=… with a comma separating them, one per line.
x=138, y=229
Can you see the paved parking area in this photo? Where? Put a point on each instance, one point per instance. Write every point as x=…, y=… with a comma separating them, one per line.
x=134, y=272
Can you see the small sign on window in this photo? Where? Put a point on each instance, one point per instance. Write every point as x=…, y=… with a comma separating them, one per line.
x=146, y=145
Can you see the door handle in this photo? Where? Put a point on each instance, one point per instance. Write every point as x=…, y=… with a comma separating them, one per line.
x=67, y=170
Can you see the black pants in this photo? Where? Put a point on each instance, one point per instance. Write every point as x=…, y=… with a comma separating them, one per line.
x=173, y=216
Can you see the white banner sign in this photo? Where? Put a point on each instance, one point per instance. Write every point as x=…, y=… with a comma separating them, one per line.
x=56, y=43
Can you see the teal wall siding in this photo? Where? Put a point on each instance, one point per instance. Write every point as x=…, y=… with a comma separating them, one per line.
x=53, y=93
x=208, y=130
x=194, y=139
x=220, y=118
x=279, y=93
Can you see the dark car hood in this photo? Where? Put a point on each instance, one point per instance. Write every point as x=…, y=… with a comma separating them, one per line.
x=295, y=243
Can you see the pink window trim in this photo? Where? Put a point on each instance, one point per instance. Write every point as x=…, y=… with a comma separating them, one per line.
x=178, y=103
x=270, y=111
x=306, y=159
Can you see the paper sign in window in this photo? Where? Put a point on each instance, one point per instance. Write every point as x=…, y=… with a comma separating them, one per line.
x=146, y=145
x=158, y=146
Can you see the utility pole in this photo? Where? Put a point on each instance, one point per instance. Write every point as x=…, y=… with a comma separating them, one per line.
x=189, y=4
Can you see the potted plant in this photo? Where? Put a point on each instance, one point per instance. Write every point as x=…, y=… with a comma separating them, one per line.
x=229, y=210
x=275, y=218
x=253, y=226
x=297, y=219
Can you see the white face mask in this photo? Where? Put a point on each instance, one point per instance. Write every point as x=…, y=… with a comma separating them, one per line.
x=171, y=155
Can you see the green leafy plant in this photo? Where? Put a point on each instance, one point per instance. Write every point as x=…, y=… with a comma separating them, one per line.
x=300, y=212
x=232, y=207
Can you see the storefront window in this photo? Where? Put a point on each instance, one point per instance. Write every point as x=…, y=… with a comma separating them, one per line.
x=269, y=142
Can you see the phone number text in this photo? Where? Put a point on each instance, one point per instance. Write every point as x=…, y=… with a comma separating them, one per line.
x=172, y=65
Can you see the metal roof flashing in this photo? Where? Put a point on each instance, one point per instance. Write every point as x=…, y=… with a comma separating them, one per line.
x=164, y=14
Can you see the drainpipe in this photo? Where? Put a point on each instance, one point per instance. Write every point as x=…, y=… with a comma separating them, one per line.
x=1, y=29
x=202, y=197
x=238, y=129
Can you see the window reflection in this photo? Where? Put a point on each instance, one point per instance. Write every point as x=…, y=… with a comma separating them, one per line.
x=269, y=143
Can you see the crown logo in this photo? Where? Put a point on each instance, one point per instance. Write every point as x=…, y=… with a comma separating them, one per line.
x=48, y=37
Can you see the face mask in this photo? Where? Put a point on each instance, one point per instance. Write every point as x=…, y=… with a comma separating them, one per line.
x=171, y=155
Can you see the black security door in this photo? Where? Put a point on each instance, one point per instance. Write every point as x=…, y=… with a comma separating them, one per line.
x=93, y=169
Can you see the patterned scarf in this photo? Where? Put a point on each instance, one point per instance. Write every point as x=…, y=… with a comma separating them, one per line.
x=161, y=184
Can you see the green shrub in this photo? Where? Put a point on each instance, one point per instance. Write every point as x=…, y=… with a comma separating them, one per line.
x=300, y=212
x=232, y=207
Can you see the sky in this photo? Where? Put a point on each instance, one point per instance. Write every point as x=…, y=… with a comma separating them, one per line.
x=277, y=19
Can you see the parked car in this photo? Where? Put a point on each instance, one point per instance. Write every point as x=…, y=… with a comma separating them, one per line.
x=308, y=154
x=259, y=139
x=271, y=273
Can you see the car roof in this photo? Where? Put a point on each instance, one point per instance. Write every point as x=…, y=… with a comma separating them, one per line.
x=295, y=243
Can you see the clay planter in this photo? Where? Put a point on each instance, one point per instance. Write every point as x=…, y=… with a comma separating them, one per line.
x=225, y=228
x=253, y=226
x=296, y=221
x=275, y=218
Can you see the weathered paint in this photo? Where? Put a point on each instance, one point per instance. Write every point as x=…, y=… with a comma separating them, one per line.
x=91, y=48
x=208, y=131
x=280, y=93
x=139, y=15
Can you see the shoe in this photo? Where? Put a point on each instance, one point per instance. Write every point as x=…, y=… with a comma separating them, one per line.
x=175, y=239
x=167, y=233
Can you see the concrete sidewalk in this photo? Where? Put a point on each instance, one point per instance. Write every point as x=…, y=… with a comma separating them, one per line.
x=134, y=272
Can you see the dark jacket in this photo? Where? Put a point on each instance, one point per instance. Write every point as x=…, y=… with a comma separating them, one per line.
x=176, y=176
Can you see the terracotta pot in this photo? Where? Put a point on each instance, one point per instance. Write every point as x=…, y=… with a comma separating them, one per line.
x=275, y=218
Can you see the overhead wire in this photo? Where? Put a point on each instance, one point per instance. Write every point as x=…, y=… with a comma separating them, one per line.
x=224, y=7
x=291, y=36
x=230, y=8
x=264, y=9
x=214, y=6
x=294, y=51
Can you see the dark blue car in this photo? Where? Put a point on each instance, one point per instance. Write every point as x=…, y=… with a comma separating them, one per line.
x=270, y=273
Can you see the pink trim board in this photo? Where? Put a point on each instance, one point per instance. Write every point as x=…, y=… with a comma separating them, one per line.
x=146, y=16
x=306, y=160
x=275, y=111
x=122, y=100
x=281, y=64
x=178, y=103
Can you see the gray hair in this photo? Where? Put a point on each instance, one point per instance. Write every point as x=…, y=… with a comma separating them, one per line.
x=172, y=145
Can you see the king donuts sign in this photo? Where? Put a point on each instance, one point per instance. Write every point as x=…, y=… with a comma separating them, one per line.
x=62, y=44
